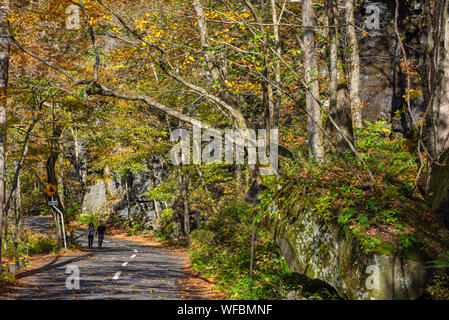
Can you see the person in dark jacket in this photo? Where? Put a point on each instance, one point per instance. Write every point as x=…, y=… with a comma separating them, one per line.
x=101, y=231
x=90, y=234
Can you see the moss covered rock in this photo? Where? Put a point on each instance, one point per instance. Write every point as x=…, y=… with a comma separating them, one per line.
x=321, y=249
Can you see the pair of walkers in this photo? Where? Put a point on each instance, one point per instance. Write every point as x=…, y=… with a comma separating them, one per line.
x=101, y=231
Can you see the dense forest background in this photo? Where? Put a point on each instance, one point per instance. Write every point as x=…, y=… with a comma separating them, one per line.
x=358, y=90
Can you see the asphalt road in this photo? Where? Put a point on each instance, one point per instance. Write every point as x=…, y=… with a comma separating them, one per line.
x=121, y=269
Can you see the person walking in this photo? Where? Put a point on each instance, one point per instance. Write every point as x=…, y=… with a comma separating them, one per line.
x=101, y=231
x=90, y=234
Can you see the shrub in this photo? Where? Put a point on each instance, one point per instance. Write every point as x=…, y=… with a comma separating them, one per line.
x=221, y=249
x=89, y=218
x=38, y=243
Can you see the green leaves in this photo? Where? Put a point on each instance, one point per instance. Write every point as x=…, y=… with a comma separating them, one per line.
x=295, y=52
x=441, y=262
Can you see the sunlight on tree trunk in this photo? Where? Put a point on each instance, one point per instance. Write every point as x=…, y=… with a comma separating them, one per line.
x=4, y=68
x=316, y=148
x=354, y=73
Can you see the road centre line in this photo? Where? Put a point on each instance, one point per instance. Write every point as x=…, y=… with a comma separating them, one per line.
x=116, y=275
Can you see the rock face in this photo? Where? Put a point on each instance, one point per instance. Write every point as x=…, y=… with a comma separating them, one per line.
x=122, y=196
x=381, y=86
x=139, y=207
x=326, y=253
x=95, y=197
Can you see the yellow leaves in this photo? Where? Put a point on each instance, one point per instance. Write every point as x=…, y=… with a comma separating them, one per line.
x=228, y=16
x=154, y=35
x=211, y=14
x=237, y=86
x=93, y=22
x=67, y=164
x=187, y=61
x=141, y=24
x=413, y=94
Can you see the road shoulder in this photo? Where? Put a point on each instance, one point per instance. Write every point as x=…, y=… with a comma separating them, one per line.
x=40, y=262
x=193, y=286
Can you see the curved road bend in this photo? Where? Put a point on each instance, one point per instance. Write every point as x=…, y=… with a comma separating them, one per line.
x=121, y=269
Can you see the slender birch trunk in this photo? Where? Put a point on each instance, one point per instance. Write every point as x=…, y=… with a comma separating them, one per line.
x=354, y=74
x=4, y=69
x=314, y=122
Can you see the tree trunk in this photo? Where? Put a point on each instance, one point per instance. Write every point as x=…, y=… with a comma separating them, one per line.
x=333, y=52
x=51, y=178
x=314, y=121
x=77, y=153
x=277, y=64
x=60, y=174
x=185, y=201
x=107, y=181
x=4, y=69
x=5, y=233
x=153, y=185
x=128, y=202
x=354, y=74
x=440, y=109
x=19, y=208
x=436, y=91
x=50, y=167
x=214, y=65
x=340, y=104
x=15, y=235
x=15, y=181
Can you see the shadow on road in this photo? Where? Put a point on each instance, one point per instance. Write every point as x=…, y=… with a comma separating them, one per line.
x=51, y=265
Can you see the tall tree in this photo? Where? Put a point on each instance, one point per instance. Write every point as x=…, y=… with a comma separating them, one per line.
x=354, y=74
x=4, y=69
x=185, y=201
x=314, y=122
x=339, y=107
x=436, y=93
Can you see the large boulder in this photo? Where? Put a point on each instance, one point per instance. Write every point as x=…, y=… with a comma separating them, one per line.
x=123, y=197
x=322, y=250
x=95, y=197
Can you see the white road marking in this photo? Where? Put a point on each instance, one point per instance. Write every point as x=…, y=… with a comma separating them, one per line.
x=133, y=256
x=116, y=275
x=124, y=265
